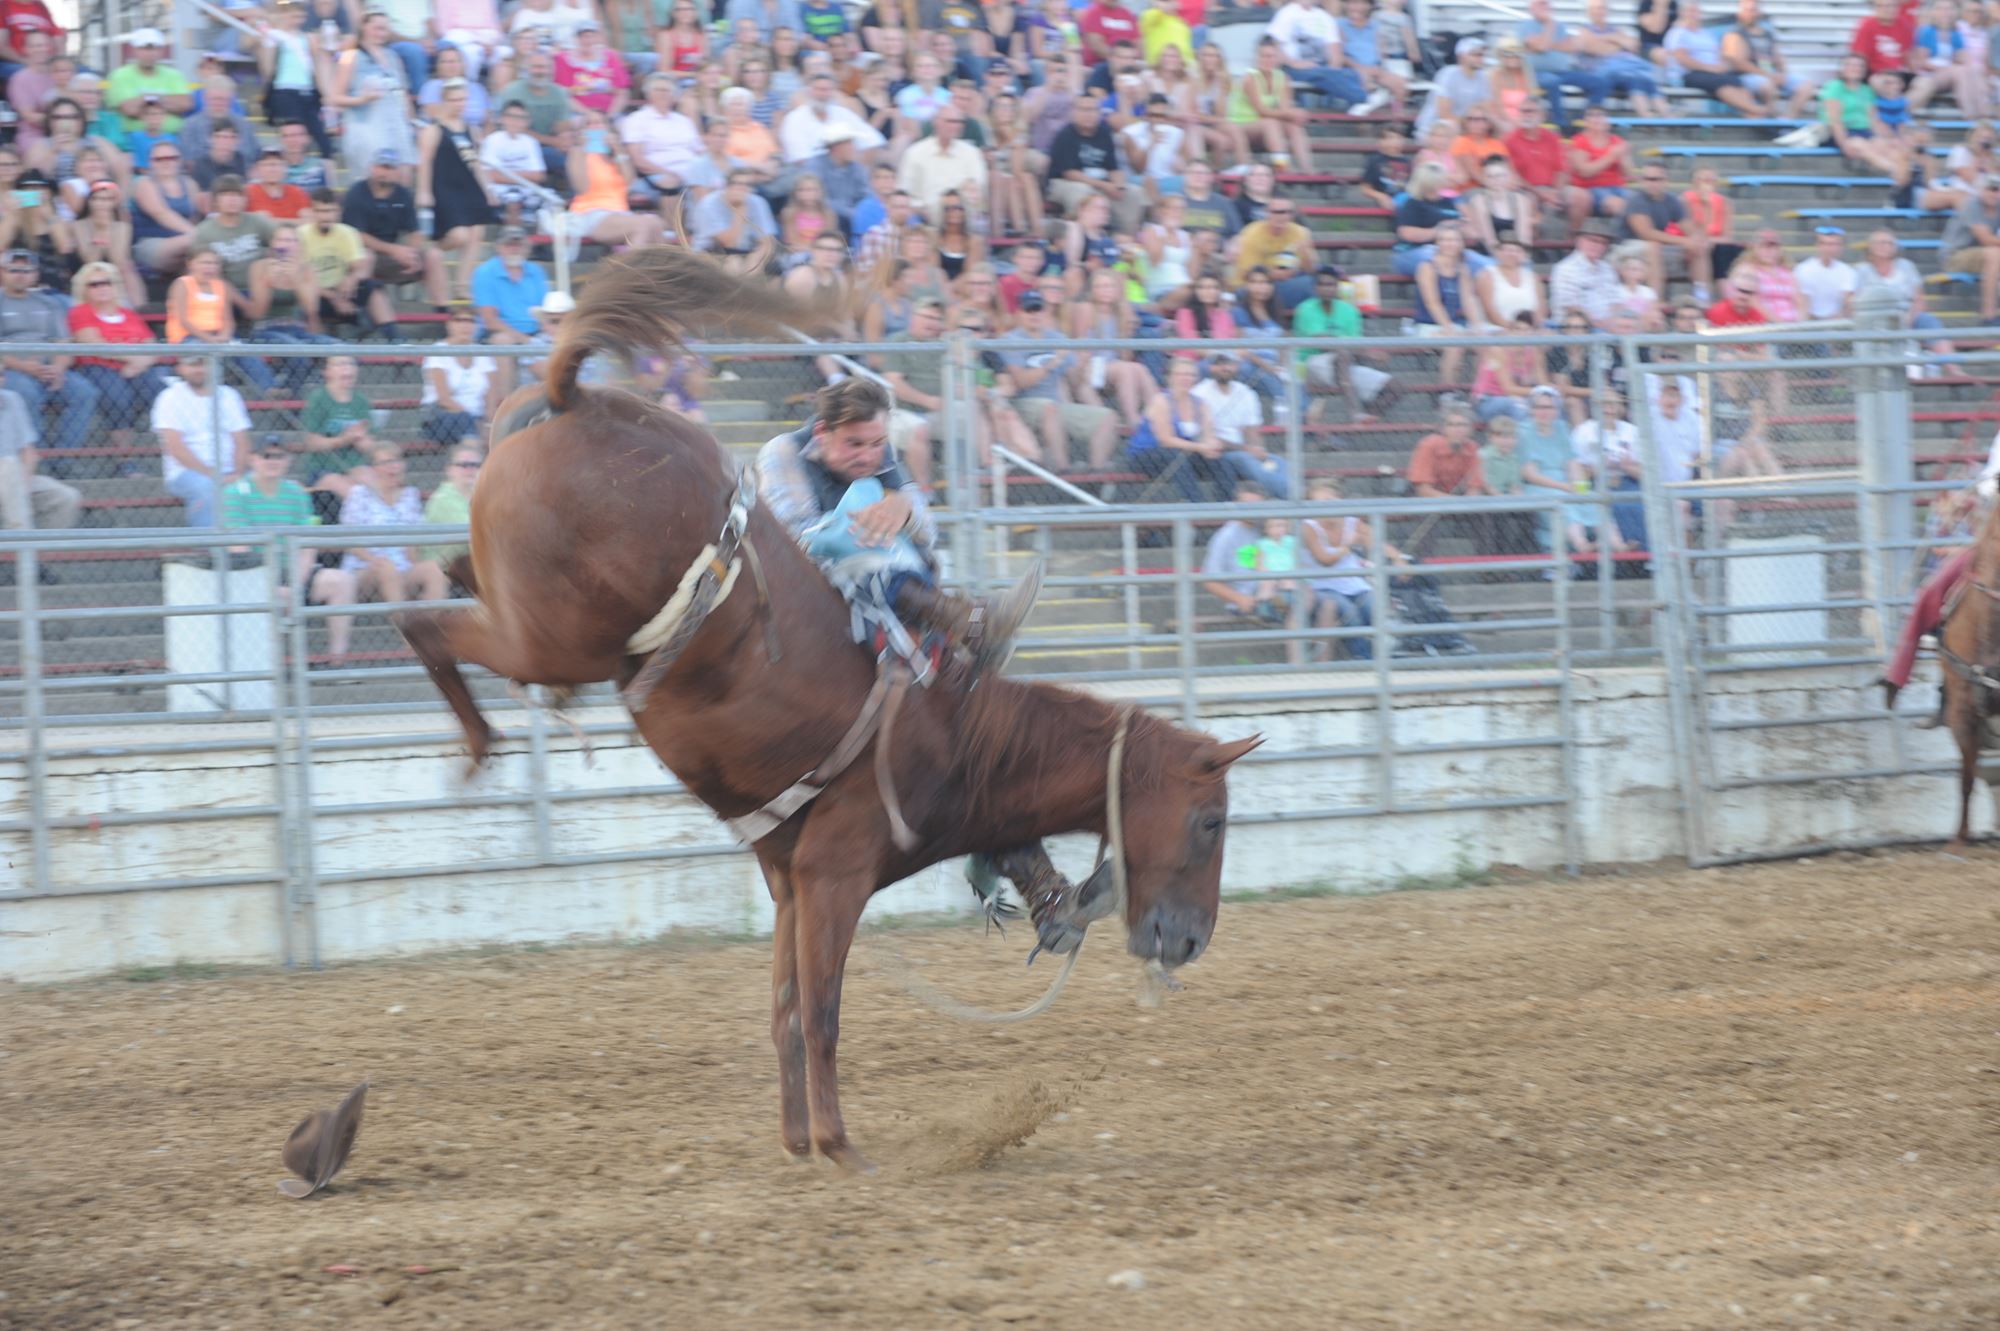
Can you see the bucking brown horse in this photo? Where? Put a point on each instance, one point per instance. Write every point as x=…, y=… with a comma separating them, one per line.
x=1969, y=647
x=590, y=515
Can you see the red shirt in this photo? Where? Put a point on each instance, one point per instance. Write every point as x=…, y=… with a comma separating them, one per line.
x=1537, y=158
x=131, y=328
x=1114, y=23
x=21, y=17
x=1885, y=45
x=288, y=205
x=1436, y=463
x=1612, y=176
x=1724, y=314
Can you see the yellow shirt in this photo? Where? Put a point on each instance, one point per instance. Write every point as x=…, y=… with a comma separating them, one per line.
x=1283, y=252
x=331, y=254
x=1159, y=29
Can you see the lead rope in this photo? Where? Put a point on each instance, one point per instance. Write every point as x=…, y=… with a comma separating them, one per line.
x=1113, y=844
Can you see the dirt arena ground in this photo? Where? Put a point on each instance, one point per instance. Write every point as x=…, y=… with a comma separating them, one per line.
x=1755, y=1098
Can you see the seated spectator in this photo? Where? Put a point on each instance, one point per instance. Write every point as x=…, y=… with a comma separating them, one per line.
x=1634, y=294
x=1436, y=152
x=201, y=307
x=1448, y=299
x=1499, y=210
x=1710, y=213
x=1155, y=145
x=1848, y=106
x=1419, y=214
x=450, y=65
x=663, y=143
x=204, y=435
x=1584, y=281
x=166, y=208
x=1473, y=146
x=514, y=164
x=1826, y=281
x=1541, y=165
x=343, y=269
x=1740, y=435
x=236, y=237
x=145, y=77
x=306, y=164
x=943, y=163
x=1738, y=306
x=1556, y=57
x=264, y=497
x=225, y=158
x=1656, y=220
x=1034, y=385
x=450, y=505
x=379, y=498
x=1546, y=455
x=1508, y=374
x=127, y=385
x=808, y=216
x=56, y=154
x=1339, y=552
x=507, y=289
x=30, y=86
x=1084, y=163
x=734, y=220
x=383, y=213
x=1385, y=172
x=1695, y=60
x=1274, y=557
x=1327, y=316
x=1259, y=315
x=551, y=113
x=284, y=303
x=605, y=177
x=1237, y=414
x=29, y=500
x=841, y=176
x=1945, y=60
x=1447, y=465
x=1752, y=50
x=1772, y=285
x=1106, y=313
x=270, y=195
x=151, y=136
x=1175, y=442
x=1459, y=87
x=1972, y=244
x=335, y=429
x=43, y=382
x=458, y=386
x=39, y=226
x=1166, y=253
x=749, y=146
x=1598, y=163
x=1230, y=564
x=1283, y=246
x=1510, y=288
x=917, y=376
x=1883, y=40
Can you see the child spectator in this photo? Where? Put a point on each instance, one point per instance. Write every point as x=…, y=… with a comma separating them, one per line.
x=264, y=497
x=271, y=195
x=1274, y=557
x=1385, y=172
x=335, y=427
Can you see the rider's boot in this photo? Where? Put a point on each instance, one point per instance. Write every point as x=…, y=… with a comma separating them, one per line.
x=984, y=627
x=1061, y=910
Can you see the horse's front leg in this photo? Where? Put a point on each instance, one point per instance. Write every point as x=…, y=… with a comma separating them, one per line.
x=1966, y=725
x=787, y=1031
x=826, y=908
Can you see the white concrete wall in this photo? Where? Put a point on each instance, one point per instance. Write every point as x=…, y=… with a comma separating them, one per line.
x=1628, y=809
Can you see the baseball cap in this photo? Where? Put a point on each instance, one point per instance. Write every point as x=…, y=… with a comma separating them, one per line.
x=1542, y=391
x=229, y=184
x=386, y=157
x=1827, y=229
x=273, y=443
x=1467, y=45
x=557, y=302
x=509, y=234
x=20, y=259
x=145, y=37
x=1032, y=300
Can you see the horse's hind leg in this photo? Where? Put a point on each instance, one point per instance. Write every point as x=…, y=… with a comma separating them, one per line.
x=1965, y=729
x=826, y=907
x=441, y=639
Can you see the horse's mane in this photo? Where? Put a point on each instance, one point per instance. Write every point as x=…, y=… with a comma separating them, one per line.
x=656, y=299
x=1012, y=732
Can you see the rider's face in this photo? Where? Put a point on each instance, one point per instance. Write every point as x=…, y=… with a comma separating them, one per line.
x=854, y=450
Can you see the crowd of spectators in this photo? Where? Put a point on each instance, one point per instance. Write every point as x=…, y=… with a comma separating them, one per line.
x=1033, y=173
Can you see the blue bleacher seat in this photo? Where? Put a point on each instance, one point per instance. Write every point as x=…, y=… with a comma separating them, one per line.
x=1881, y=214
x=1828, y=182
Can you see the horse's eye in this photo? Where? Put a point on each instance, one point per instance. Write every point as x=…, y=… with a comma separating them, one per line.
x=1211, y=825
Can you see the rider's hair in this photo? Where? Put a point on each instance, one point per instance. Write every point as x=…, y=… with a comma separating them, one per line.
x=850, y=401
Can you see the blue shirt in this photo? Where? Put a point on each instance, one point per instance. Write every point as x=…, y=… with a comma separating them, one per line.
x=868, y=214
x=1358, y=44
x=513, y=298
x=141, y=144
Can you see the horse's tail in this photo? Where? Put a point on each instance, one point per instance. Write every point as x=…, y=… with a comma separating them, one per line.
x=655, y=299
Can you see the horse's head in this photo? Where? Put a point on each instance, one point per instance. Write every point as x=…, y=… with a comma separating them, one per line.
x=1175, y=820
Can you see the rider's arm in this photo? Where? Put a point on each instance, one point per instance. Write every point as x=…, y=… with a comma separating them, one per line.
x=784, y=488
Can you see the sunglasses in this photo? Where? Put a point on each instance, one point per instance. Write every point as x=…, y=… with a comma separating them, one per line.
x=472, y=466
x=95, y=283
x=164, y=157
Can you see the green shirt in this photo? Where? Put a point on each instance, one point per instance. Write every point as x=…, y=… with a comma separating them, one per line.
x=1313, y=319
x=323, y=415
x=1850, y=102
x=127, y=82
x=447, y=507
x=244, y=505
x=547, y=106
x=922, y=367
x=237, y=246
x=1503, y=470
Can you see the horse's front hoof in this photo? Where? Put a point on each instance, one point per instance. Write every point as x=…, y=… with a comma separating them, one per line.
x=844, y=1154
x=801, y=1150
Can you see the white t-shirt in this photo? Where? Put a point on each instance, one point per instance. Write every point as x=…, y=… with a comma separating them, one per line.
x=512, y=152
x=1154, y=146
x=557, y=22
x=1619, y=448
x=668, y=142
x=468, y=382
x=1303, y=31
x=1825, y=287
x=1232, y=410
x=1679, y=442
x=195, y=416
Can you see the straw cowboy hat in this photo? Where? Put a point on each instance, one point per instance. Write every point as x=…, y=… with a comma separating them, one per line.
x=319, y=1145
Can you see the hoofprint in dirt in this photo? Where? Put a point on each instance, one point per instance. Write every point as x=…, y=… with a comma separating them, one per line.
x=1763, y=1097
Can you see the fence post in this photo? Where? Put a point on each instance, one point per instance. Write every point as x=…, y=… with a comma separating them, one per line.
x=28, y=596
x=1882, y=438
x=961, y=482
x=1678, y=655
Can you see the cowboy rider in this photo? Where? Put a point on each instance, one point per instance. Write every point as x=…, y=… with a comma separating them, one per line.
x=1927, y=612
x=839, y=472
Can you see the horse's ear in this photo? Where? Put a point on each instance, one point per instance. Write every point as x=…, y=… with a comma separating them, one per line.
x=1212, y=760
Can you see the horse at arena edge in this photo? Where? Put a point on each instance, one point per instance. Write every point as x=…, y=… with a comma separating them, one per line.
x=1969, y=648
x=596, y=509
